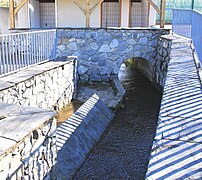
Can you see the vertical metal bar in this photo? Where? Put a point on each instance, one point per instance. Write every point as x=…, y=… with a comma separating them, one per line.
x=22, y=50
x=4, y=56
x=14, y=44
x=18, y=49
x=1, y=59
x=32, y=49
x=6, y=47
x=10, y=48
x=27, y=49
x=49, y=44
x=37, y=47
x=43, y=46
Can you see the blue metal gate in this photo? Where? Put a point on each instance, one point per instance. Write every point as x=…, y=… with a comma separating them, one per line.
x=188, y=23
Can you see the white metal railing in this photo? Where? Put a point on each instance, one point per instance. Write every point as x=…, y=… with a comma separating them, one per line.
x=19, y=50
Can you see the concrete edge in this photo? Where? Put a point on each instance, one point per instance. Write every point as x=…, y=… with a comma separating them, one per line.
x=120, y=93
x=79, y=134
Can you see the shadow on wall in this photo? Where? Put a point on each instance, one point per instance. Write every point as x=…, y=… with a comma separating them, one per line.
x=144, y=67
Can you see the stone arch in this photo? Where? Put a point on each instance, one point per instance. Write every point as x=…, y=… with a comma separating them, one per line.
x=144, y=66
x=102, y=51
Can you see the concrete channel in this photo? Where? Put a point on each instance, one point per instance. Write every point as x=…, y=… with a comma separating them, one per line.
x=124, y=150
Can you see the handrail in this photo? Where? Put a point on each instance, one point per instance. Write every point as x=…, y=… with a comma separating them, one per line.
x=19, y=50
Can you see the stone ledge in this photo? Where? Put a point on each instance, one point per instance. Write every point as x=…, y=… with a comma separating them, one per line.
x=27, y=138
x=17, y=122
x=50, y=85
x=120, y=93
x=27, y=73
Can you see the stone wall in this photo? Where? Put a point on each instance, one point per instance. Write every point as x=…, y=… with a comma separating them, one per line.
x=27, y=138
x=101, y=52
x=162, y=60
x=50, y=85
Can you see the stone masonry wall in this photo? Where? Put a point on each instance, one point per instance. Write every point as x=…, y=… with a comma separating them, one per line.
x=101, y=52
x=162, y=60
x=49, y=86
x=28, y=143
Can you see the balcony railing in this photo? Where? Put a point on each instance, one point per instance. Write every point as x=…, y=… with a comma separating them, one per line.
x=19, y=50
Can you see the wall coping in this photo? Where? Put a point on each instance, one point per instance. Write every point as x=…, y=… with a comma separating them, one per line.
x=17, y=122
x=80, y=28
x=24, y=74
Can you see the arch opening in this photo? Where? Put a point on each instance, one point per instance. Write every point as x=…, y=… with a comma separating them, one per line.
x=142, y=65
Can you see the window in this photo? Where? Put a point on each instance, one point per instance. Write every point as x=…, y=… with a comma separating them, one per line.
x=47, y=13
x=136, y=0
x=111, y=13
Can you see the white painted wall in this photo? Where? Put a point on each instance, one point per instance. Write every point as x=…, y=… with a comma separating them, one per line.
x=69, y=15
x=23, y=17
x=34, y=14
x=152, y=16
x=4, y=20
x=125, y=13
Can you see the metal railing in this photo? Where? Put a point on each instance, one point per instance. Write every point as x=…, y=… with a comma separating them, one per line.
x=188, y=23
x=19, y=50
x=196, y=33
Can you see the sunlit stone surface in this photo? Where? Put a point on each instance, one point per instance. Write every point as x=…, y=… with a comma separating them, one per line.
x=177, y=149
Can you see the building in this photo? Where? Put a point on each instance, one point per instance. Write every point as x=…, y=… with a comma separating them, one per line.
x=4, y=22
x=89, y=13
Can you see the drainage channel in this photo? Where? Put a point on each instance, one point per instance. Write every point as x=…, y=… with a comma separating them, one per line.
x=124, y=150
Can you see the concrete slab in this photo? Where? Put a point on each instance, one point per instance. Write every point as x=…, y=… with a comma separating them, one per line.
x=79, y=134
x=175, y=160
x=16, y=122
x=26, y=73
x=182, y=129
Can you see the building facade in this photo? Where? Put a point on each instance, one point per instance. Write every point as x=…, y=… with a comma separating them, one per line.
x=67, y=13
x=4, y=20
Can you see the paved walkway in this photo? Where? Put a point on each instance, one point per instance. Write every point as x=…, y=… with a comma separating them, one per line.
x=177, y=149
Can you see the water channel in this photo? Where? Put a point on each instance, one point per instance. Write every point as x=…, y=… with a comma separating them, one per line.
x=123, y=152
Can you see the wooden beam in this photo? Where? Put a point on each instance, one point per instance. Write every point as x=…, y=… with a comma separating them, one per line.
x=19, y=6
x=154, y=6
x=79, y=5
x=162, y=14
x=11, y=14
x=98, y=3
x=87, y=13
x=87, y=10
